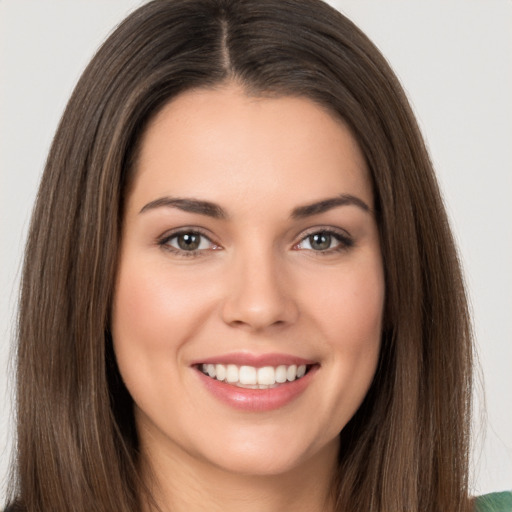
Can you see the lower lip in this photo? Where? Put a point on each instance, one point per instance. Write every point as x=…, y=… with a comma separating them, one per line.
x=257, y=400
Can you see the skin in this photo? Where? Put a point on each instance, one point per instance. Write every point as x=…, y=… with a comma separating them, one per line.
x=256, y=285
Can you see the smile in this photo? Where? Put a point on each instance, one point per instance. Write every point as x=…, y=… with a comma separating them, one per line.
x=251, y=377
x=256, y=383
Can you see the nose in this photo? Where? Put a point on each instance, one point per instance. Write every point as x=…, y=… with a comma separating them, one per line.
x=259, y=294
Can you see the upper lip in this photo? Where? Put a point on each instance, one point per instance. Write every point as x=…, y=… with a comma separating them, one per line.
x=256, y=360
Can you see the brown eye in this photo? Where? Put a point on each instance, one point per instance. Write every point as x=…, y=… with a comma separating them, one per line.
x=320, y=241
x=326, y=241
x=188, y=241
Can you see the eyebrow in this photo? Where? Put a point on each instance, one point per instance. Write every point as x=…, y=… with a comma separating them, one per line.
x=217, y=212
x=188, y=205
x=328, y=204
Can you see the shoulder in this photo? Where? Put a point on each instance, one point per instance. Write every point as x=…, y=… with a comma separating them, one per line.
x=494, y=502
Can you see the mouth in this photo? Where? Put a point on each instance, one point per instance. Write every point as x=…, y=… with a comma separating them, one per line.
x=252, y=377
x=256, y=383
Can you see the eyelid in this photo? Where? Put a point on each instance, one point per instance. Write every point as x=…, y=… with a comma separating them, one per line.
x=343, y=236
x=324, y=229
x=163, y=240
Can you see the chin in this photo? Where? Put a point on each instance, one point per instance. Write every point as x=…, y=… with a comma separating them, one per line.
x=274, y=455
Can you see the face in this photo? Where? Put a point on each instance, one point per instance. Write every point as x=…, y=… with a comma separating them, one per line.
x=248, y=305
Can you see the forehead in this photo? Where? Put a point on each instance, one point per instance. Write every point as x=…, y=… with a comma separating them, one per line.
x=219, y=144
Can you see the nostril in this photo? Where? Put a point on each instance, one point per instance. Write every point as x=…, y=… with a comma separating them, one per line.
x=258, y=300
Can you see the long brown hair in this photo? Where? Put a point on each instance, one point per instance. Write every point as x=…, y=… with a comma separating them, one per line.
x=406, y=448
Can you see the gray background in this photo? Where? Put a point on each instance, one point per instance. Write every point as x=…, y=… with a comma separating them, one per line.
x=454, y=59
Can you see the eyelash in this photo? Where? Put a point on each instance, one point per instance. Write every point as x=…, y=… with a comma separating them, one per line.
x=164, y=242
x=345, y=242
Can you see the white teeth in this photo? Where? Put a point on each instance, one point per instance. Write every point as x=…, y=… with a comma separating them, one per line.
x=232, y=373
x=266, y=376
x=281, y=374
x=254, y=378
x=291, y=373
x=211, y=370
x=220, y=372
x=247, y=375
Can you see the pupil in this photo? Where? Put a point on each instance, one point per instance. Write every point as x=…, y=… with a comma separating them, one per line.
x=320, y=241
x=188, y=242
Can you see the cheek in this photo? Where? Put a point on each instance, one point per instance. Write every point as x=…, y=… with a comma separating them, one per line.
x=349, y=318
x=351, y=309
x=153, y=315
x=151, y=305
x=140, y=314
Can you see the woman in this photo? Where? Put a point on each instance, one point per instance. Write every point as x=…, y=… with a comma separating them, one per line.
x=166, y=292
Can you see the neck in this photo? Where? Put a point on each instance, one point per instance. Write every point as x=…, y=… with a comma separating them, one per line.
x=181, y=483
